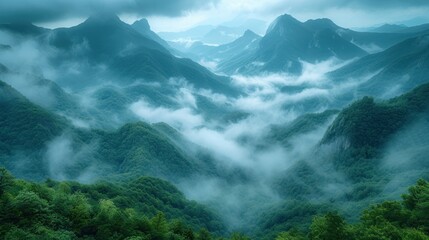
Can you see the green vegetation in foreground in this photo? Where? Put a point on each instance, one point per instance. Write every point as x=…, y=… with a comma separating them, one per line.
x=138, y=209
x=69, y=210
x=391, y=220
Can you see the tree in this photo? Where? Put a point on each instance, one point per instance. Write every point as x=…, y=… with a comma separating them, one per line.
x=382, y=231
x=290, y=235
x=29, y=207
x=204, y=234
x=6, y=180
x=329, y=227
x=414, y=234
x=159, y=226
x=391, y=211
x=417, y=201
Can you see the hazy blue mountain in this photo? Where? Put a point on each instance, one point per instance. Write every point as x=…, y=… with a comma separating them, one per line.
x=388, y=28
x=131, y=57
x=215, y=35
x=248, y=42
x=415, y=21
x=369, y=41
x=142, y=26
x=323, y=42
x=392, y=72
x=198, y=48
x=106, y=51
x=415, y=29
x=289, y=41
x=153, y=66
x=104, y=35
x=222, y=35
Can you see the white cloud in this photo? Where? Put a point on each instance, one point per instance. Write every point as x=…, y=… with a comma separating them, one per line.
x=182, y=118
x=185, y=98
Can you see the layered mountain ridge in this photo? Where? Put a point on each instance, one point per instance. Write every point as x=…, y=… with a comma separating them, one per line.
x=261, y=141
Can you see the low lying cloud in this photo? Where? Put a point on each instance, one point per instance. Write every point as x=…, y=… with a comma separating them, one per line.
x=185, y=98
x=62, y=156
x=243, y=146
x=314, y=74
x=182, y=118
x=406, y=156
x=25, y=56
x=32, y=88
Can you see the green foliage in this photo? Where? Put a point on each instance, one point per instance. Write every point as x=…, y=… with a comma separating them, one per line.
x=367, y=123
x=69, y=210
x=328, y=227
x=288, y=216
x=29, y=206
x=24, y=124
x=361, y=130
x=139, y=149
x=417, y=202
x=303, y=124
x=5, y=180
x=390, y=220
x=291, y=235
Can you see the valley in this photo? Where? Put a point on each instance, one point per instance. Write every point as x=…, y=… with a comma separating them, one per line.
x=308, y=130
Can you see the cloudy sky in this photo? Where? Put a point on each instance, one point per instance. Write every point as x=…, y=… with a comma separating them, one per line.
x=173, y=15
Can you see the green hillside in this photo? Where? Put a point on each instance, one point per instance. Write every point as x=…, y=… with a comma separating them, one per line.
x=361, y=130
x=23, y=124
x=139, y=149
x=367, y=123
x=301, y=125
x=133, y=150
x=145, y=208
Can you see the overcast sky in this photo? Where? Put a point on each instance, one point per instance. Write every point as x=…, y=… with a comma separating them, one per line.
x=174, y=15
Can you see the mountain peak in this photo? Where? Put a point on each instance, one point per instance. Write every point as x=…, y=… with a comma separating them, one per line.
x=250, y=34
x=287, y=18
x=142, y=24
x=284, y=23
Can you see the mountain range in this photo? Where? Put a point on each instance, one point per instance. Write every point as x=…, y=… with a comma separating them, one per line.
x=308, y=119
